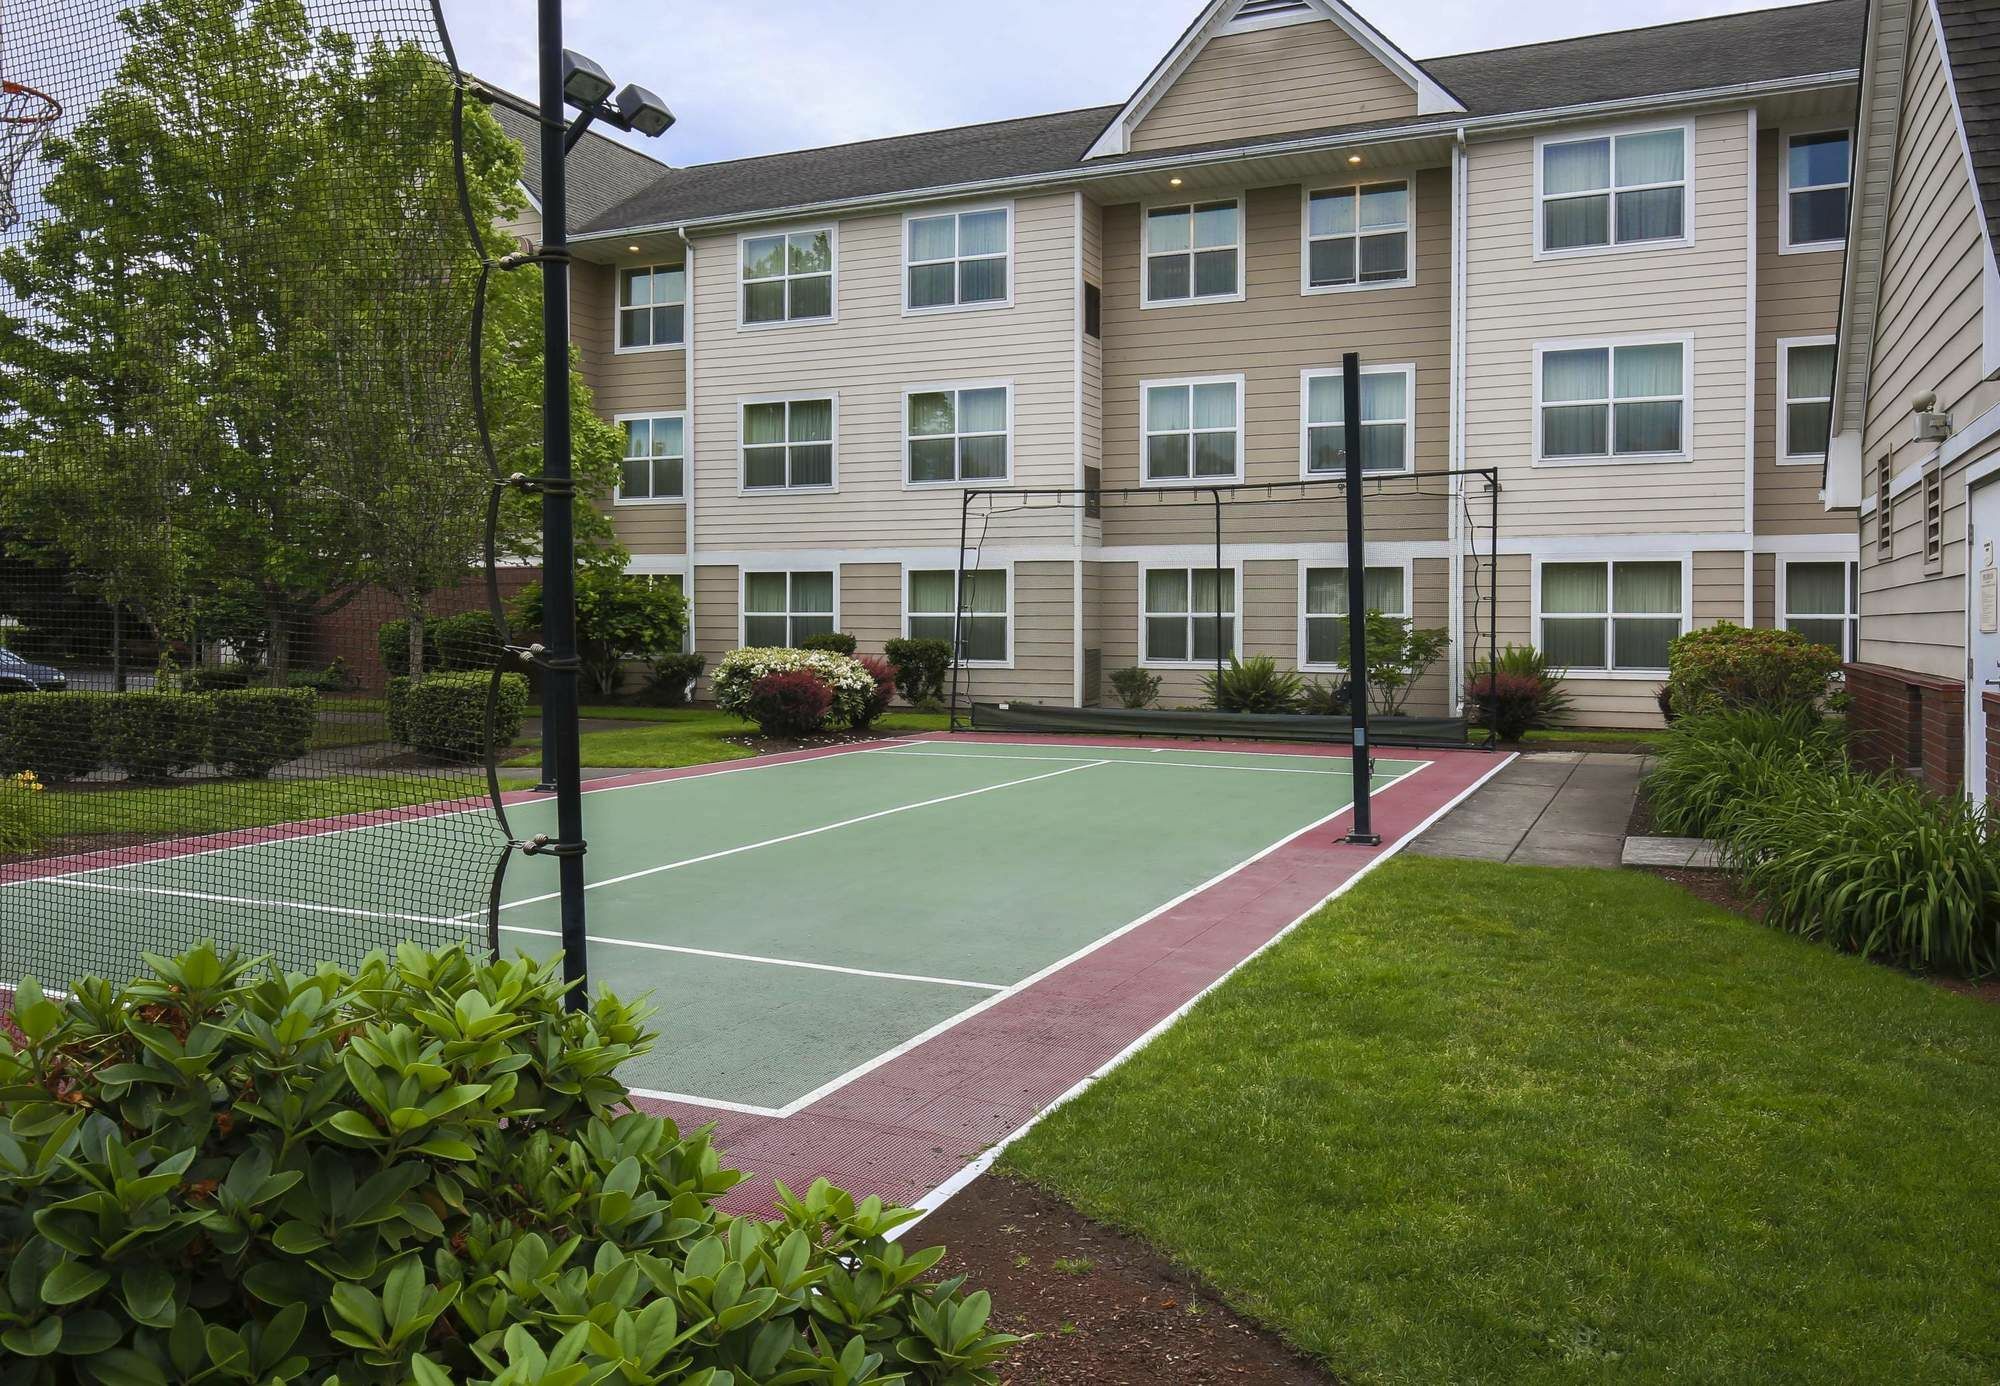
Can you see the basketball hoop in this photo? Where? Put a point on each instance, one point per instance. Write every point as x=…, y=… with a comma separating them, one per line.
x=26, y=117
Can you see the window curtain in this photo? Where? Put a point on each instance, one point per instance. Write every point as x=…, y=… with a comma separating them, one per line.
x=1214, y=590
x=763, y=445
x=1816, y=589
x=1644, y=371
x=1810, y=372
x=1332, y=213
x=1653, y=426
x=1575, y=430
x=1166, y=619
x=982, y=411
x=764, y=609
x=933, y=238
x=1576, y=166
x=811, y=431
x=1640, y=641
x=1215, y=406
x=812, y=592
x=930, y=593
x=1657, y=156
x=1575, y=597
x=1809, y=379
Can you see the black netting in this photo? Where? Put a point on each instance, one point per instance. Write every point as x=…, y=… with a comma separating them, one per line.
x=246, y=643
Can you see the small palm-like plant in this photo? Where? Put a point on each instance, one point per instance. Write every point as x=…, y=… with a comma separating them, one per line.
x=1255, y=684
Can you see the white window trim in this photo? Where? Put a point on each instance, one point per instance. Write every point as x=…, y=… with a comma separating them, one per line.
x=743, y=403
x=1192, y=380
x=1005, y=566
x=1306, y=237
x=618, y=347
x=687, y=455
x=1685, y=340
x=1849, y=616
x=1409, y=569
x=1617, y=247
x=1232, y=565
x=1407, y=370
x=1781, y=393
x=1185, y=199
x=743, y=576
x=1683, y=557
x=992, y=305
x=1786, y=135
x=832, y=229
x=953, y=387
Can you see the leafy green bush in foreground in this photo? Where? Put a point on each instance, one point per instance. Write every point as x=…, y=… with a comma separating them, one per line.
x=421, y=1171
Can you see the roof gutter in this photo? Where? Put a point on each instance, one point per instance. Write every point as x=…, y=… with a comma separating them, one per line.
x=1068, y=177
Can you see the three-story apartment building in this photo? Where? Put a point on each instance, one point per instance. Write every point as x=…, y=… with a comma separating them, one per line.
x=1608, y=269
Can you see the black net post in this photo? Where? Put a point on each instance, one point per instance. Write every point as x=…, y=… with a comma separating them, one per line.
x=1218, y=593
x=958, y=605
x=1363, y=831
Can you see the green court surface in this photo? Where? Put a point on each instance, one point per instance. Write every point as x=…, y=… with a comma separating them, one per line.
x=798, y=921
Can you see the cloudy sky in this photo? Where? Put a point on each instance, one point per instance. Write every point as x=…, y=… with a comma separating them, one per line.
x=758, y=76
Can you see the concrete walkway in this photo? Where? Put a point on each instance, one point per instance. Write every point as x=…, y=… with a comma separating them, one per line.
x=1554, y=808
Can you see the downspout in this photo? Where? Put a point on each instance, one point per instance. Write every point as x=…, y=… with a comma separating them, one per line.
x=1455, y=492
x=688, y=451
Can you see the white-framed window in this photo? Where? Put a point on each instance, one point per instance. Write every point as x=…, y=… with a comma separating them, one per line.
x=957, y=434
x=1388, y=439
x=1193, y=252
x=1616, y=615
x=1821, y=600
x=1805, y=398
x=1612, y=401
x=1323, y=608
x=652, y=307
x=788, y=444
x=1358, y=237
x=1187, y=615
x=958, y=259
x=984, y=623
x=655, y=464
x=1812, y=206
x=1611, y=190
x=784, y=608
x=787, y=276
x=1191, y=430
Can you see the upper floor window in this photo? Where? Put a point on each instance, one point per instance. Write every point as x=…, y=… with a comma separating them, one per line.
x=1612, y=402
x=655, y=458
x=1385, y=590
x=1613, y=190
x=1805, y=414
x=1814, y=206
x=784, y=608
x=1387, y=444
x=788, y=277
x=788, y=444
x=958, y=434
x=957, y=260
x=1618, y=615
x=1194, y=252
x=1822, y=603
x=1358, y=237
x=1193, y=429
x=979, y=621
x=652, y=307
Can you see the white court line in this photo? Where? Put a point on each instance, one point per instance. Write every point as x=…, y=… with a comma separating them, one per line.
x=925, y=740
x=76, y=883
x=794, y=837
x=755, y=958
x=1119, y=760
x=688, y=1099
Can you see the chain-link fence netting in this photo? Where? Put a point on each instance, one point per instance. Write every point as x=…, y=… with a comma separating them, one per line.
x=246, y=642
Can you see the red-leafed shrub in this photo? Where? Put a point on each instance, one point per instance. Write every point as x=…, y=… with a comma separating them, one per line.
x=790, y=704
x=1508, y=702
x=884, y=674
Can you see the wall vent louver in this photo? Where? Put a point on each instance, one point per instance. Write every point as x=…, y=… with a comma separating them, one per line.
x=1264, y=9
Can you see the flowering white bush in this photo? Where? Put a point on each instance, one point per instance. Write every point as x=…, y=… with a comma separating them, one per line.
x=853, y=686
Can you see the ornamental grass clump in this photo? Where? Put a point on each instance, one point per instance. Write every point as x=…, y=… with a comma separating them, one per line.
x=853, y=687
x=1719, y=763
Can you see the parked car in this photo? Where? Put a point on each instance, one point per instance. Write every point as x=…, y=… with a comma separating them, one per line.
x=18, y=675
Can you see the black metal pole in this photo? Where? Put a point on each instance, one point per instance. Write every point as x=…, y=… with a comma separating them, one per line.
x=1363, y=831
x=560, y=742
x=957, y=607
x=1218, y=594
x=1493, y=607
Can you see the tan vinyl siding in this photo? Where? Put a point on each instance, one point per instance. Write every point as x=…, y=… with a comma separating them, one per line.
x=1767, y=589
x=1515, y=301
x=1798, y=295
x=658, y=528
x=1718, y=589
x=1093, y=352
x=1094, y=627
x=1044, y=645
x=868, y=358
x=1273, y=81
x=715, y=619
x=624, y=382
x=1602, y=702
x=1270, y=337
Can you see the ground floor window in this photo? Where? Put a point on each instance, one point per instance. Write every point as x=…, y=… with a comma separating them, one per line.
x=1326, y=609
x=984, y=624
x=1611, y=615
x=1189, y=614
x=784, y=608
x=1822, y=603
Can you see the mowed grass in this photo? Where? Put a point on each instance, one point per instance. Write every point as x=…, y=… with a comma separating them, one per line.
x=664, y=738
x=219, y=805
x=1479, y=1123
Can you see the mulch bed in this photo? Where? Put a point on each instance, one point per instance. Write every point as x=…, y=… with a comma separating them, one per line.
x=1117, y=1312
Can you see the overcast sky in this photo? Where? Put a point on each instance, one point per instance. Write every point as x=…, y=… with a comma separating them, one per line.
x=759, y=76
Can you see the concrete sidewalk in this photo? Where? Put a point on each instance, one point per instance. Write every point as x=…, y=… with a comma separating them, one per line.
x=1554, y=808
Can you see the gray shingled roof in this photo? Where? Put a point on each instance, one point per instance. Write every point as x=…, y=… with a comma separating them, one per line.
x=1760, y=46
x=1972, y=38
x=602, y=172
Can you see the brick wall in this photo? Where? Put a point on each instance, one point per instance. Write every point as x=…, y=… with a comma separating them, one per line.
x=350, y=632
x=1989, y=704
x=1898, y=720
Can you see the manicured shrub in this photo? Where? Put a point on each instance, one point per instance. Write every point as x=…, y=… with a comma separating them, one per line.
x=469, y=640
x=1327, y=699
x=213, y=678
x=20, y=826
x=1506, y=702
x=53, y=734
x=444, y=715
x=1551, y=704
x=790, y=704
x=153, y=736
x=256, y=730
x=852, y=685
x=884, y=674
x=1255, y=684
x=332, y=679
x=669, y=677
x=420, y=1171
x=392, y=643
x=1135, y=687
x=1730, y=666
x=831, y=641
x=921, y=669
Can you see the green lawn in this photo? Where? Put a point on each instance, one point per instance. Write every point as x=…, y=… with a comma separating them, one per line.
x=664, y=738
x=216, y=806
x=1478, y=1123
x=1636, y=736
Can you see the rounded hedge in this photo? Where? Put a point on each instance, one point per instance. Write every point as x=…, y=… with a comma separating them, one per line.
x=444, y=715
